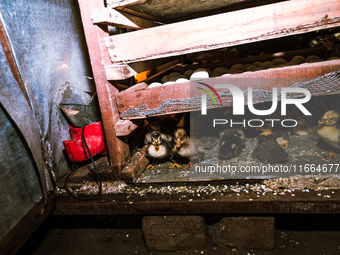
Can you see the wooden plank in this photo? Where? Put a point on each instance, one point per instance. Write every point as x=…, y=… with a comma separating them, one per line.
x=152, y=64
x=124, y=127
x=118, y=148
x=19, y=234
x=107, y=16
x=168, y=65
x=119, y=72
x=165, y=69
x=154, y=97
x=136, y=167
x=312, y=202
x=224, y=30
x=139, y=86
x=117, y=3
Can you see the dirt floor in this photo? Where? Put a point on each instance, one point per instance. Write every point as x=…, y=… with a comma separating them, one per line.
x=120, y=235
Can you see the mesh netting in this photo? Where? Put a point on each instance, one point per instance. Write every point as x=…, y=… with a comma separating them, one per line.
x=329, y=83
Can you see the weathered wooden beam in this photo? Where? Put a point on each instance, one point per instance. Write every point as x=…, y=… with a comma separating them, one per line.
x=107, y=16
x=124, y=127
x=118, y=72
x=153, y=64
x=154, y=97
x=139, y=86
x=136, y=167
x=224, y=30
x=313, y=202
x=116, y=3
x=118, y=148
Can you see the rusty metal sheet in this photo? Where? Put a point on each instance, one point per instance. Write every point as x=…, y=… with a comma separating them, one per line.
x=49, y=48
x=19, y=176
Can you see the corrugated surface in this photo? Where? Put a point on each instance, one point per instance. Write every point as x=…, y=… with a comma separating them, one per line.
x=50, y=51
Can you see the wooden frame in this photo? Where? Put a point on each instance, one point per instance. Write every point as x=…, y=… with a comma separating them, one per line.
x=110, y=55
x=154, y=97
x=225, y=30
x=118, y=148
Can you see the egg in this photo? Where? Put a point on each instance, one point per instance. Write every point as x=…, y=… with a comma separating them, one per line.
x=173, y=78
x=199, y=74
x=258, y=69
x=165, y=79
x=258, y=63
x=235, y=71
x=251, y=68
x=312, y=59
x=236, y=66
x=181, y=80
x=174, y=74
x=209, y=71
x=155, y=84
x=298, y=59
x=333, y=58
x=244, y=68
x=221, y=69
x=280, y=61
x=169, y=83
x=188, y=72
x=217, y=74
x=267, y=64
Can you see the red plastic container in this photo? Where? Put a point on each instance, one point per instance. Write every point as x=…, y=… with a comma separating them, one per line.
x=94, y=136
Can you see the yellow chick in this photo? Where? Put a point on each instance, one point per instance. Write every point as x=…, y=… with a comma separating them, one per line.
x=192, y=149
x=329, y=130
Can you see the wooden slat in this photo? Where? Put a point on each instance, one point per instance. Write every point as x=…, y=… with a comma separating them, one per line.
x=107, y=16
x=118, y=72
x=139, y=86
x=124, y=127
x=313, y=202
x=116, y=3
x=136, y=167
x=118, y=148
x=224, y=30
x=153, y=97
x=153, y=64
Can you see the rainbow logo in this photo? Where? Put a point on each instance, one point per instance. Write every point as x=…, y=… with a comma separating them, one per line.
x=208, y=92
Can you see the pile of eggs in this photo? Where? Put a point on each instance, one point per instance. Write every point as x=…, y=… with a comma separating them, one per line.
x=205, y=73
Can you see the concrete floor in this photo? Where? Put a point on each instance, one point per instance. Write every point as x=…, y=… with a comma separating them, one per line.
x=120, y=235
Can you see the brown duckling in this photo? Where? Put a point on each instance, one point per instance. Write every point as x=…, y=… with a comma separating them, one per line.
x=329, y=130
x=269, y=151
x=156, y=125
x=281, y=134
x=159, y=148
x=331, y=49
x=192, y=149
x=300, y=128
x=231, y=143
x=317, y=110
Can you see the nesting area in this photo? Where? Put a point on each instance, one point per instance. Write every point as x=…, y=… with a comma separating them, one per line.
x=192, y=73
x=302, y=152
